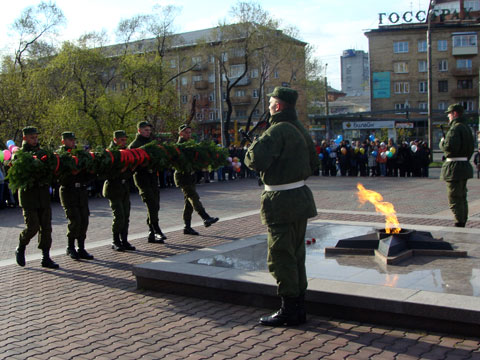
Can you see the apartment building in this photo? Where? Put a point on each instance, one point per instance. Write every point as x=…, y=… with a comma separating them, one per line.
x=355, y=73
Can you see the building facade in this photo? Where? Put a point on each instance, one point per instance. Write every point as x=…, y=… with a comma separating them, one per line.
x=355, y=73
x=399, y=66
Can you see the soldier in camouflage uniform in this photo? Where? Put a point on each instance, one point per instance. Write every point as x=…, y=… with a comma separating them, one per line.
x=117, y=190
x=37, y=212
x=285, y=156
x=74, y=199
x=458, y=147
x=186, y=182
x=146, y=181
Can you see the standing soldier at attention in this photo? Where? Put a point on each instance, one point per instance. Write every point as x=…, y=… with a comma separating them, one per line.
x=186, y=182
x=458, y=146
x=146, y=181
x=37, y=212
x=285, y=156
x=74, y=199
x=117, y=190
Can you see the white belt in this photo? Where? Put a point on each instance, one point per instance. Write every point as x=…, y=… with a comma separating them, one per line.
x=457, y=159
x=290, y=186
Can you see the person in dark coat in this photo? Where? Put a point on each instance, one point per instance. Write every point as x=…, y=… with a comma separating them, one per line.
x=186, y=182
x=457, y=147
x=37, y=211
x=146, y=181
x=74, y=199
x=285, y=156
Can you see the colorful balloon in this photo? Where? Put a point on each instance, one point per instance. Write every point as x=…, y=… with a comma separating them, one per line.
x=14, y=149
x=1, y=156
x=393, y=150
x=320, y=156
x=328, y=150
x=343, y=150
x=10, y=143
x=389, y=154
x=362, y=151
x=372, y=138
x=414, y=148
x=6, y=155
x=374, y=153
x=383, y=154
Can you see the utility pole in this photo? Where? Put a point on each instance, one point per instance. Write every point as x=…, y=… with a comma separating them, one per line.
x=327, y=120
x=429, y=75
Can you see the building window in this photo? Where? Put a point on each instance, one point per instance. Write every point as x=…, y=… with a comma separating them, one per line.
x=241, y=113
x=254, y=73
x=211, y=78
x=402, y=87
x=422, y=66
x=275, y=74
x=442, y=105
x=184, y=99
x=400, y=47
x=442, y=45
x=468, y=105
x=400, y=67
x=423, y=106
x=224, y=96
x=211, y=116
x=255, y=93
x=196, y=60
x=239, y=92
x=464, y=63
x=238, y=52
x=184, y=81
x=443, y=65
x=422, y=45
x=197, y=78
x=422, y=87
x=173, y=63
x=443, y=86
x=465, y=40
x=465, y=84
x=199, y=116
x=237, y=70
x=401, y=106
x=224, y=56
x=211, y=97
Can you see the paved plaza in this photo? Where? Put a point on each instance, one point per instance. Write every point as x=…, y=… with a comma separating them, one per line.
x=93, y=310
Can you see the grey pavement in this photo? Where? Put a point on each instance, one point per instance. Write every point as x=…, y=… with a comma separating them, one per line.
x=93, y=310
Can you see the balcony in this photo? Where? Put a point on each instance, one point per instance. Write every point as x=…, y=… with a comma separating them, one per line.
x=245, y=81
x=201, y=85
x=236, y=60
x=464, y=93
x=465, y=72
x=241, y=100
x=465, y=50
x=203, y=102
x=200, y=67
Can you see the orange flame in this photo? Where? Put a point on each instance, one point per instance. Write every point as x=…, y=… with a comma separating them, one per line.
x=391, y=222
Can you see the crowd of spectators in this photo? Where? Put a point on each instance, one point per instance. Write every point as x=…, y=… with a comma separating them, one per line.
x=374, y=157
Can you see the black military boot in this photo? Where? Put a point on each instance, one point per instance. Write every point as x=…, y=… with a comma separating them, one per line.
x=20, y=255
x=286, y=316
x=301, y=311
x=117, y=245
x=126, y=245
x=459, y=224
x=71, y=249
x=82, y=253
x=159, y=234
x=151, y=234
x=208, y=220
x=187, y=230
x=47, y=262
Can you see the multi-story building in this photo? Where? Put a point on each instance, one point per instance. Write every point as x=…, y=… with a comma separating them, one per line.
x=399, y=66
x=355, y=73
x=206, y=80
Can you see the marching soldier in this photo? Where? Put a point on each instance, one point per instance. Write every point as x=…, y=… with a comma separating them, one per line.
x=117, y=190
x=458, y=147
x=74, y=199
x=146, y=180
x=37, y=212
x=285, y=157
x=186, y=182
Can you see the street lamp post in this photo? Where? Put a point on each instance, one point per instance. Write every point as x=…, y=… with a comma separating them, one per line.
x=429, y=74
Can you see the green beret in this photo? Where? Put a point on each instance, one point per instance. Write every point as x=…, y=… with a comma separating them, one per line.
x=29, y=130
x=455, y=107
x=119, y=134
x=68, y=135
x=183, y=127
x=143, y=124
x=285, y=94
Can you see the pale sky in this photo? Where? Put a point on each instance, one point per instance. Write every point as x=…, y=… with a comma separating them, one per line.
x=330, y=26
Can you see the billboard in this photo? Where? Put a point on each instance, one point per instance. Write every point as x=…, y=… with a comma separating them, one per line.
x=381, y=85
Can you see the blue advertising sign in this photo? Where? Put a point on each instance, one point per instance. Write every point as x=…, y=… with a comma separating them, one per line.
x=381, y=85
